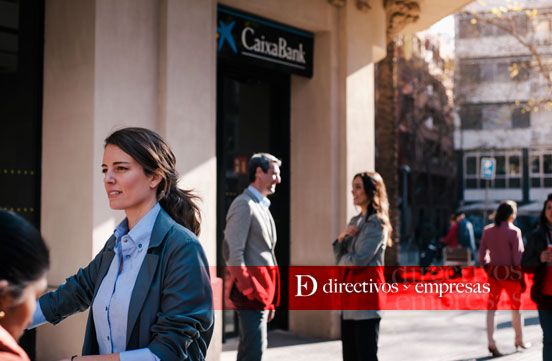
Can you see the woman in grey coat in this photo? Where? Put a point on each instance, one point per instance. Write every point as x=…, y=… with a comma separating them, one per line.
x=362, y=243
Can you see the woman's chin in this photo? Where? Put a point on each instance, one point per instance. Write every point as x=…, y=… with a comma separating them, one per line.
x=116, y=206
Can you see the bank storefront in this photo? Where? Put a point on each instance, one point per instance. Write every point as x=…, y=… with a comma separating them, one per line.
x=219, y=81
x=255, y=60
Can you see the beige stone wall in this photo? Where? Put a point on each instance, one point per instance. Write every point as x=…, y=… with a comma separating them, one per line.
x=67, y=155
x=153, y=63
x=108, y=65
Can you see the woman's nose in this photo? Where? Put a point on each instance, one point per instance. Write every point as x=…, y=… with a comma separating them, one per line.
x=108, y=177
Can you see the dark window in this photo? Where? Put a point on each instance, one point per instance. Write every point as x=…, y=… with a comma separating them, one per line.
x=548, y=182
x=487, y=29
x=521, y=118
x=535, y=164
x=514, y=165
x=467, y=29
x=471, y=117
x=520, y=70
x=471, y=183
x=500, y=183
x=500, y=165
x=502, y=72
x=470, y=73
x=547, y=163
x=521, y=24
x=535, y=182
x=514, y=183
x=471, y=166
x=487, y=71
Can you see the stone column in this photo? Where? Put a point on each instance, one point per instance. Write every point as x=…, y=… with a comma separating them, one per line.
x=100, y=74
x=188, y=116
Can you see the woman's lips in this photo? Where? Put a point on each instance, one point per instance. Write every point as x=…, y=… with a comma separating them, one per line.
x=113, y=194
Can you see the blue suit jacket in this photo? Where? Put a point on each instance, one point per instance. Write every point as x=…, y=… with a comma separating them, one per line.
x=171, y=307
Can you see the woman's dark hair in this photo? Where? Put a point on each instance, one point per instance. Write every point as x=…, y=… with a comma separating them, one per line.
x=504, y=211
x=24, y=257
x=542, y=219
x=375, y=190
x=154, y=155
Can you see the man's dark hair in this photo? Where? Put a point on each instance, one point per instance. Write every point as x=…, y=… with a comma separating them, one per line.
x=262, y=160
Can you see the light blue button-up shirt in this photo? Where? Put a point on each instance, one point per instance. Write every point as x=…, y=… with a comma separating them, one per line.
x=110, y=306
x=262, y=199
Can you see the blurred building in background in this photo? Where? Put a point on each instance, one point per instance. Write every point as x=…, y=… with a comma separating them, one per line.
x=504, y=105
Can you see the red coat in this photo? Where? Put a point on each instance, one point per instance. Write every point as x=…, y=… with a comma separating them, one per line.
x=9, y=349
x=451, y=239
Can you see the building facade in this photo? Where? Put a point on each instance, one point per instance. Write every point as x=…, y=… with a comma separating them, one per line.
x=498, y=92
x=99, y=65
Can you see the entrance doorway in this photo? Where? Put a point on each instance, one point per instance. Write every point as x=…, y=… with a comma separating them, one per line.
x=253, y=116
x=21, y=48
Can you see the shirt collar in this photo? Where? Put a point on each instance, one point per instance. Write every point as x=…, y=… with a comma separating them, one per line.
x=141, y=232
x=259, y=197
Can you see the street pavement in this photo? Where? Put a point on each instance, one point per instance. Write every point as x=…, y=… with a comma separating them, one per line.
x=413, y=336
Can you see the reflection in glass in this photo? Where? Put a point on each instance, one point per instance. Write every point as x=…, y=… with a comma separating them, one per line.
x=514, y=165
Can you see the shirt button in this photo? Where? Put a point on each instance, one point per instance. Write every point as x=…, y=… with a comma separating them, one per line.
x=107, y=338
x=127, y=256
x=106, y=308
x=125, y=240
x=139, y=245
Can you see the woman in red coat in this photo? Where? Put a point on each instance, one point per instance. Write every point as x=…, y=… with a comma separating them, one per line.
x=501, y=246
x=24, y=260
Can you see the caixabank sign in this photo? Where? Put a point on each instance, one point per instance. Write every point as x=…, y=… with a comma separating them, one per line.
x=250, y=39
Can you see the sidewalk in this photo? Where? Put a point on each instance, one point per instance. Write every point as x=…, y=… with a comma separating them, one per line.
x=413, y=336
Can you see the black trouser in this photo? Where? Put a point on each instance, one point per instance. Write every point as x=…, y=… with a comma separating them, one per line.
x=360, y=339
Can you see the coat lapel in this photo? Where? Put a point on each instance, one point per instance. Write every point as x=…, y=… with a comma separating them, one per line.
x=145, y=276
x=265, y=219
x=105, y=263
x=140, y=291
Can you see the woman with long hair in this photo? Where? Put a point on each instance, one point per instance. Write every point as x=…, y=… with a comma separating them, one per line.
x=148, y=289
x=24, y=261
x=362, y=243
x=537, y=259
x=501, y=246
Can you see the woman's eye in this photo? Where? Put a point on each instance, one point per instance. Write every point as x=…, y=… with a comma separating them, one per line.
x=121, y=169
x=104, y=170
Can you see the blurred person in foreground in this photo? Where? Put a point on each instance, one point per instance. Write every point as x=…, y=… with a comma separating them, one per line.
x=501, y=246
x=537, y=259
x=362, y=243
x=24, y=261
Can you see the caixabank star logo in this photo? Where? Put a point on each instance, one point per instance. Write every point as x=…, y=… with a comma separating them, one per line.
x=224, y=35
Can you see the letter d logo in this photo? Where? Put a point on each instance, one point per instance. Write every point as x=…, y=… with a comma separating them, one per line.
x=305, y=285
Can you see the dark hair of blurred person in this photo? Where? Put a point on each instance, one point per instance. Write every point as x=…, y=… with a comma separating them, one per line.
x=24, y=261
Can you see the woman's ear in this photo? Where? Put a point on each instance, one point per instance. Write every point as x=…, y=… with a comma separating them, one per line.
x=156, y=178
